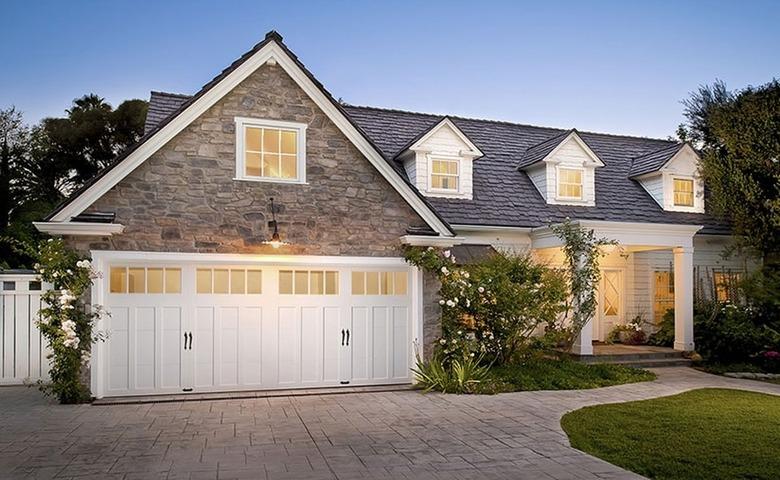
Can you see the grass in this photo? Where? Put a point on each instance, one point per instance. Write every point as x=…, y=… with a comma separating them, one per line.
x=702, y=434
x=553, y=374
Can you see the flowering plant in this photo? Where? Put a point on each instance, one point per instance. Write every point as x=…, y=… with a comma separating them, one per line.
x=65, y=321
x=491, y=309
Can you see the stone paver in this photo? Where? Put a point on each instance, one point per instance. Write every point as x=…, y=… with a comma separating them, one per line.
x=404, y=435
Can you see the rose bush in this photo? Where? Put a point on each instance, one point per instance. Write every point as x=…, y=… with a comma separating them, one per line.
x=65, y=321
x=493, y=308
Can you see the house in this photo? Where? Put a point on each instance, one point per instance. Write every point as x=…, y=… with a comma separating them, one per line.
x=250, y=239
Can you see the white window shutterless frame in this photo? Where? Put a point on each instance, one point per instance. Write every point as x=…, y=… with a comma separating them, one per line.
x=244, y=123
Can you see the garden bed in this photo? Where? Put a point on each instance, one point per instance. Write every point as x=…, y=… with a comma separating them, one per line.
x=705, y=434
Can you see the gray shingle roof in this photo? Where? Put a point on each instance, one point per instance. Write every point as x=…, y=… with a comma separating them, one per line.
x=539, y=152
x=504, y=195
x=653, y=161
x=162, y=104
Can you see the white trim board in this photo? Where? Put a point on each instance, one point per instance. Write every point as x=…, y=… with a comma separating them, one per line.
x=80, y=228
x=473, y=151
x=273, y=52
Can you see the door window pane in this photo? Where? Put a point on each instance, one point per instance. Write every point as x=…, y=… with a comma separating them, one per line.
x=221, y=281
x=172, y=280
x=136, y=281
x=237, y=281
x=118, y=282
x=317, y=283
x=331, y=283
x=203, y=280
x=611, y=293
x=400, y=283
x=358, y=283
x=301, y=282
x=254, y=281
x=286, y=282
x=372, y=283
x=154, y=280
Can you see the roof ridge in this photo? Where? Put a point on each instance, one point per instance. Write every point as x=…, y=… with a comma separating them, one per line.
x=506, y=122
x=170, y=94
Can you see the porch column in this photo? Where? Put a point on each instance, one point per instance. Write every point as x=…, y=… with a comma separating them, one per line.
x=683, y=298
x=583, y=345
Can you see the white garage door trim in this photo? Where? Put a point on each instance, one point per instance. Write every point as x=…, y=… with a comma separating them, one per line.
x=104, y=259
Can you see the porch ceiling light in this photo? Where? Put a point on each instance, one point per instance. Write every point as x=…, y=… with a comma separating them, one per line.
x=276, y=239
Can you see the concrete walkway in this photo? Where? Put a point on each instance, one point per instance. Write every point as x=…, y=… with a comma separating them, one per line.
x=365, y=435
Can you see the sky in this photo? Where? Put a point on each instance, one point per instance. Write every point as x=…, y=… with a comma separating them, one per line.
x=619, y=67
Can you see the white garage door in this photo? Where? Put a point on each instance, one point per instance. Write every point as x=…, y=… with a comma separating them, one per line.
x=201, y=327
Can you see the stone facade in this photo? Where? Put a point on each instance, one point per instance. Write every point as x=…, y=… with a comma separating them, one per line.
x=184, y=197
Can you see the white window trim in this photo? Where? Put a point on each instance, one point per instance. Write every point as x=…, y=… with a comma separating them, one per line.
x=698, y=200
x=558, y=195
x=446, y=158
x=299, y=128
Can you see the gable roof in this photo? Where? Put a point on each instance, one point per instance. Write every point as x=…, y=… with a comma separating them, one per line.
x=271, y=48
x=445, y=121
x=654, y=161
x=544, y=149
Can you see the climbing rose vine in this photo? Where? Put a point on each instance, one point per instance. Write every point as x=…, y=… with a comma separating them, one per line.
x=65, y=321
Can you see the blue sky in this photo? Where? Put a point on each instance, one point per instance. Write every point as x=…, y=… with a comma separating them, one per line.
x=609, y=66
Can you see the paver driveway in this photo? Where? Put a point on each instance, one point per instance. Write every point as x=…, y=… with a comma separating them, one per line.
x=371, y=435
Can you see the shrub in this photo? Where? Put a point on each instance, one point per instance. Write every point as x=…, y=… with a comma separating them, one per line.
x=491, y=309
x=664, y=334
x=456, y=376
x=728, y=333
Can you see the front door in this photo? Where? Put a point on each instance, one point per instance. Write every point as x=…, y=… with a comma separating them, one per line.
x=610, y=309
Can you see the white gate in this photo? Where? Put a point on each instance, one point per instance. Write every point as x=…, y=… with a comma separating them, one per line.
x=22, y=349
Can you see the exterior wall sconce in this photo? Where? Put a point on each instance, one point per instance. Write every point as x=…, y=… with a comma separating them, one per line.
x=276, y=239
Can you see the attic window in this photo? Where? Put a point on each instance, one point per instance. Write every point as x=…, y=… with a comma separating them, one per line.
x=269, y=150
x=683, y=192
x=445, y=175
x=570, y=183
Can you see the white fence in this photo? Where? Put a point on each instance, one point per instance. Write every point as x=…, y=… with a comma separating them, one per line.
x=22, y=350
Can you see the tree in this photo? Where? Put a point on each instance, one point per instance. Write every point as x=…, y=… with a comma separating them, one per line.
x=739, y=137
x=14, y=137
x=93, y=133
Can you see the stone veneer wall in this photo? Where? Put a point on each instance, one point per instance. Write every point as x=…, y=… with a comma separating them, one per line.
x=185, y=199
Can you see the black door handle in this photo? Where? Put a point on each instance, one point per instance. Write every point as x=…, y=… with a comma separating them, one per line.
x=190, y=340
x=347, y=337
x=185, y=340
x=342, y=337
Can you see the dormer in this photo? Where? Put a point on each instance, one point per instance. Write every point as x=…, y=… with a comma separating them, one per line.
x=671, y=176
x=563, y=169
x=439, y=162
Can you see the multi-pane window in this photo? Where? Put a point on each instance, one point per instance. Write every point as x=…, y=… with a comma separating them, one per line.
x=726, y=285
x=271, y=153
x=683, y=192
x=570, y=183
x=444, y=174
x=144, y=280
x=663, y=294
x=379, y=283
x=308, y=282
x=237, y=281
x=270, y=150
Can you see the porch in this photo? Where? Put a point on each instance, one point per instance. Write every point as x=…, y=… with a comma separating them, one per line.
x=629, y=285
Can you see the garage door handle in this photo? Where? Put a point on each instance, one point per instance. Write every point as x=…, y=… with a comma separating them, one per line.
x=347, y=337
x=342, y=337
x=190, y=340
x=185, y=340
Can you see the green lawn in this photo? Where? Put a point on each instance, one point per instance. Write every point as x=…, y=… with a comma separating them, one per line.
x=553, y=374
x=702, y=434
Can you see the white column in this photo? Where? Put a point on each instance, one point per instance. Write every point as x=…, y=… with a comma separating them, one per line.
x=584, y=343
x=683, y=298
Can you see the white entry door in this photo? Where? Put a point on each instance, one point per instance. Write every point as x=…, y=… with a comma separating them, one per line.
x=204, y=327
x=610, y=299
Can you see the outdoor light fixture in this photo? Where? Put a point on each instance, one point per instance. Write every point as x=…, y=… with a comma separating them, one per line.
x=276, y=240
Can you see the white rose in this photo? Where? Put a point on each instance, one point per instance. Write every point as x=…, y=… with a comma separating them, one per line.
x=481, y=289
x=441, y=302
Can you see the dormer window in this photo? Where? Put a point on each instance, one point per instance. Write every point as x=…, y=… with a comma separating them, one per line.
x=440, y=162
x=569, y=183
x=270, y=151
x=445, y=174
x=683, y=192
